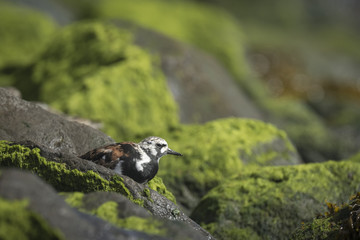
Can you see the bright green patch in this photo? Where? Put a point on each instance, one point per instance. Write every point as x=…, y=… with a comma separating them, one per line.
x=273, y=201
x=219, y=149
x=339, y=222
x=93, y=70
x=158, y=185
x=109, y=212
x=66, y=180
x=24, y=33
x=74, y=199
x=58, y=174
x=18, y=222
x=190, y=22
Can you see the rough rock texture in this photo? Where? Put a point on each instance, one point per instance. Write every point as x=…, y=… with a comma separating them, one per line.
x=271, y=202
x=58, y=164
x=116, y=209
x=220, y=149
x=69, y=173
x=21, y=120
x=339, y=222
x=46, y=203
x=201, y=86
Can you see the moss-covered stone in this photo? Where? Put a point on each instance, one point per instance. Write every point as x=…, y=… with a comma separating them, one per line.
x=93, y=70
x=220, y=149
x=339, y=222
x=273, y=201
x=304, y=127
x=18, y=222
x=57, y=174
x=195, y=23
x=24, y=33
x=108, y=211
x=157, y=184
x=66, y=180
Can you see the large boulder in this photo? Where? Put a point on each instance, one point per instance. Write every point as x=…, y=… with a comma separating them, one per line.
x=201, y=86
x=271, y=202
x=40, y=213
x=93, y=70
x=21, y=120
x=59, y=165
x=33, y=26
x=220, y=149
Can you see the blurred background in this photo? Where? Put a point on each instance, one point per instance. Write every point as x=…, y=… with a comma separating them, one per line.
x=293, y=63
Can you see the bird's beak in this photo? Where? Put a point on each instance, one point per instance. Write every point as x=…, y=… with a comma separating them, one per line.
x=169, y=151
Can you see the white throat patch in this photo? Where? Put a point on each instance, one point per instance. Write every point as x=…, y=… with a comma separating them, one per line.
x=144, y=158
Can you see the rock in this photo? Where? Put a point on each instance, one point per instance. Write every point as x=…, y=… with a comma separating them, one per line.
x=271, y=202
x=339, y=222
x=33, y=26
x=66, y=172
x=202, y=88
x=118, y=210
x=59, y=165
x=44, y=202
x=21, y=120
x=217, y=150
x=116, y=83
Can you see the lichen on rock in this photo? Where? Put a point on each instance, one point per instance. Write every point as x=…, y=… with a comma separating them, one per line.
x=273, y=201
x=19, y=222
x=33, y=26
x=219, y=149
x=58, y=174
x=339, y=222
x=93, y=70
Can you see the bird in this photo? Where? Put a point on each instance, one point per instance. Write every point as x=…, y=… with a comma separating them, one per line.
x=139, y=161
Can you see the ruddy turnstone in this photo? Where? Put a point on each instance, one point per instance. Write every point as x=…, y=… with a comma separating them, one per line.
x=140, y=161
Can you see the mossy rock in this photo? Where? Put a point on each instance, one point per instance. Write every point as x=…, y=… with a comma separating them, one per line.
x=220, y=149
x=113, y=209
x=190, y=22
x=93, y=70
x=19, y=222
x=273, y=201
x=24, y=33
x=307, y=130
x=62, y=178
x=339, y=222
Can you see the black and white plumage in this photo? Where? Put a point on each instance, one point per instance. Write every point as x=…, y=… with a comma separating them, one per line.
x=139, y=161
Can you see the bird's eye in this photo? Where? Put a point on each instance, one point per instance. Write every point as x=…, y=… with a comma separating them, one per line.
x=159, y=145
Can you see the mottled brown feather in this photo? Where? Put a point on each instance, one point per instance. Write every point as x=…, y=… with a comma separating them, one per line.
x=109, y=156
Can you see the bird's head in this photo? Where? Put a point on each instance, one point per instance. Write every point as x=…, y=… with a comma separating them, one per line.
x=157, y=147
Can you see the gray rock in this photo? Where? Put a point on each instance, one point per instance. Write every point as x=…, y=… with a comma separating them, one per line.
x=21, y=120
x=61, y=141
x=43, y=200
x=201, y=86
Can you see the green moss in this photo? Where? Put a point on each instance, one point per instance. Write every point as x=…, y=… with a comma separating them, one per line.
x=158, y=185
x=74, y=199
x=58, y=174
x=273, y=201
x=33, y=26
x=18, y=222
x=232, y=232
x=190, y=22
x=219, y=149
x=109, y=212
x=339, y=222
x=93, y=70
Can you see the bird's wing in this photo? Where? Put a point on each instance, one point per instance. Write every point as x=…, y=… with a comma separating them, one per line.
x=110, y=155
